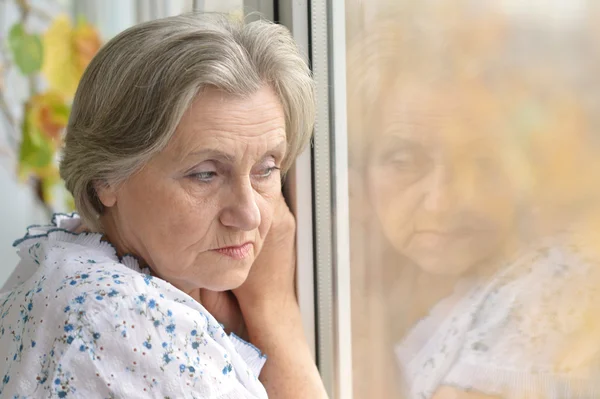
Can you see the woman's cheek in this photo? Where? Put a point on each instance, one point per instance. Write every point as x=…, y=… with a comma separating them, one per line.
x=267, y=210
x=388, y=193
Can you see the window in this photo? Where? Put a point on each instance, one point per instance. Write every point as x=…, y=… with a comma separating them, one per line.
x=457, y=139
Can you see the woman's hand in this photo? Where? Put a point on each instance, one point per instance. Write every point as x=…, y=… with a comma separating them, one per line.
x=271, y=279
x=272, y=315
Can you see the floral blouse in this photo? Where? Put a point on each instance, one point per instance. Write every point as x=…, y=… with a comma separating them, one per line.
x=76, y=321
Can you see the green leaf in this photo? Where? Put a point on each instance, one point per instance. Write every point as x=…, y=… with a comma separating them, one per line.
x=27, y=49
x=36, y=152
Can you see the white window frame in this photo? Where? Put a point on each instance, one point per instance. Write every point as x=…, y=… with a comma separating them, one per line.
x=299, y=186
x=329, y=201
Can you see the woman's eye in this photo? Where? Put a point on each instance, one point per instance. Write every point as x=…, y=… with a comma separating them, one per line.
x=267, y=172
x=400, y=159
x=204, y=176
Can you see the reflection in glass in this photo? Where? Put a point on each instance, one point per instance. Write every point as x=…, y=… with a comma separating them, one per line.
x=474, y=198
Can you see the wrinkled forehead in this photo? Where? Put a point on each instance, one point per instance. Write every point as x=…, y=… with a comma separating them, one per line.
x=231, y=124
x=439, y=115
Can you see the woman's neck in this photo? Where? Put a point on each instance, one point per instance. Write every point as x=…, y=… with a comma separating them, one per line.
x=106, y=236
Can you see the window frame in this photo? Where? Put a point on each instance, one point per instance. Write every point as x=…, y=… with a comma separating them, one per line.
x=330, y=195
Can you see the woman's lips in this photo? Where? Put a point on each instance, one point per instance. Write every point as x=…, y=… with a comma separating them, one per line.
x=238, y=253
x=432, y=238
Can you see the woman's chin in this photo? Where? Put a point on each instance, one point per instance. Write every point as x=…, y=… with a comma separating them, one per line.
x=443, y=264
x=443, y=269
x=451, y=260
x=227, y=281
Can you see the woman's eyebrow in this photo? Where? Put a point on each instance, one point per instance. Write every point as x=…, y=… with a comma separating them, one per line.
x=213, y=153
x=210, y=153
x=396, y=141
x=408, y=130
x=279, y=148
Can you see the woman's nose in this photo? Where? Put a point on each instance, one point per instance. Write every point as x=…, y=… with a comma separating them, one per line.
x=241, y=211
x=441, y=190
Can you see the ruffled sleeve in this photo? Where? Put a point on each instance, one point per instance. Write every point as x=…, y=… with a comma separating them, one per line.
x=253, y=357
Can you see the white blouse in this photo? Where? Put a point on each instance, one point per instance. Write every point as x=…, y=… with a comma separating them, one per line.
x=78, y=322
x=530, y=331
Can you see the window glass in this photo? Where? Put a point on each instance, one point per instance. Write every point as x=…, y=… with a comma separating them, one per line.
x=474, y=170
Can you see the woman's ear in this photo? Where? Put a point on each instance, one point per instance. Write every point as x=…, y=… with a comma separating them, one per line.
x=106, y=193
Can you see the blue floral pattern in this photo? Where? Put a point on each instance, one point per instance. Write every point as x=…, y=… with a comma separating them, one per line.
x=77, y=321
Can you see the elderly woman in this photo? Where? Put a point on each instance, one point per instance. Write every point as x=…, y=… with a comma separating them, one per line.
x=183, y=248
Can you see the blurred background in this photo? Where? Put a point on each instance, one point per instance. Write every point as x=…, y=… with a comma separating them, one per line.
x=449, y=133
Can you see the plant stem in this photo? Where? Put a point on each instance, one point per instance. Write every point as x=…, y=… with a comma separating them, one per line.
x=38, y=12
x=39, y=190
x=12, y=137
x=6, y=110
x=6, y=152
x=24, y=8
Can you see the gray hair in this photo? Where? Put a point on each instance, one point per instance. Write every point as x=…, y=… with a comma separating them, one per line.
x=135, y=91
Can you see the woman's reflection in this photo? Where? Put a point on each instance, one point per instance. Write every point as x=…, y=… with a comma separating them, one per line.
x=469, y=277
x=438, y=185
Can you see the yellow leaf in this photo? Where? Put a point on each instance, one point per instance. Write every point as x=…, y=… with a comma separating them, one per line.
x=86, y=42
x=68, y=51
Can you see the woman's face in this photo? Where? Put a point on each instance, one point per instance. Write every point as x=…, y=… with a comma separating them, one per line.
x=437, y=182
x=198, y=212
